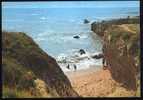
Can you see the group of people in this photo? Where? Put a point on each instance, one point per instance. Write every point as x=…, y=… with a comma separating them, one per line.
x=74, y=66
x=81, y=51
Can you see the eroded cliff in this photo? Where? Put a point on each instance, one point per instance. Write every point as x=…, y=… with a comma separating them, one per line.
x=23, y=63
x=121, y=41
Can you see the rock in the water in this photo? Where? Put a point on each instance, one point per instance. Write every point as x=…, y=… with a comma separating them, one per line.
x=77, y=37
x=86, y=21
x=99, y=56
x=81, y=51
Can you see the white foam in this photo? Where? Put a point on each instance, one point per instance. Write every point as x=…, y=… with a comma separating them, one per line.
x=38, y=39
x=84, y=36
x=66, y=38
x=61, y=57
x=84, y=61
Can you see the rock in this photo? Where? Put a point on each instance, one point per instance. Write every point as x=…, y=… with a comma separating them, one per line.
x=86, y=21
x=81, y=51
x=99, y=56
x=77, y=37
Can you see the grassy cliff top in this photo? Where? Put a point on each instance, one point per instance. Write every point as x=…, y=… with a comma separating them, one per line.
x=126, y=28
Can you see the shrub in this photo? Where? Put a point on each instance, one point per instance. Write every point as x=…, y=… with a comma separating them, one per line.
x=15, y=93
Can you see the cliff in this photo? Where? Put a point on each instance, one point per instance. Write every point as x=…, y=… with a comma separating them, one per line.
x=25, y=66
x=122, y=48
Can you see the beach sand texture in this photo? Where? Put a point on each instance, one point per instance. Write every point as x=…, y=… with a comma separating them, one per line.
x=97, y=83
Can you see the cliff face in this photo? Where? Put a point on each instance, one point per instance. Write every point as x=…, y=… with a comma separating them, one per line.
x=23, y=61
x=122, y=48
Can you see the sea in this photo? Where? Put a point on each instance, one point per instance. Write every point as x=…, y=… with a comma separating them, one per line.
x=53, y=29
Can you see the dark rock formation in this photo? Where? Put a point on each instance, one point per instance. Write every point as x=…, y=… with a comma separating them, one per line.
x=99, y=56
x=21, y=54
x=86, y=21
x=81, y=51
x=76, y=37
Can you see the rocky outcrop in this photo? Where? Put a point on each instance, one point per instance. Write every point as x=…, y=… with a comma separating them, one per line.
x=76, y=37
x=86, y=21
x=99, y=56
x=81, y=51
x=121, y=46
x=21, y=54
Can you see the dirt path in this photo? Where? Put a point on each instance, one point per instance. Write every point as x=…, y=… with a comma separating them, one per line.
x=99, y=83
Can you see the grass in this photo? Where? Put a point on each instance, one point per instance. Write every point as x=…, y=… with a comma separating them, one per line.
x=138, y=93
x=121, y=92
x=134, y=27
x=23, y=62
x=15, y=93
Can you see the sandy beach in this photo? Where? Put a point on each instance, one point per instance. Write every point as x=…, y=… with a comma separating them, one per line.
x=95, y=82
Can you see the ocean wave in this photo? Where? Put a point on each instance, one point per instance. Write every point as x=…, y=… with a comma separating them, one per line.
x=82, y=64
x=74, y=54
x=84, y=36
x=46, y=33
x=39, y=39
x=73, y=57
x=42, y=34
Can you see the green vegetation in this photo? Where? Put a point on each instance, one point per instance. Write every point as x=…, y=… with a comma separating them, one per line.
x=128, y=20
x=23, y=62
x=126, y=28
x=138, y=93
x=101, y=27
x=15, y=93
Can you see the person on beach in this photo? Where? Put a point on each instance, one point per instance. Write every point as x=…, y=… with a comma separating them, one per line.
x=74, y=67
x=104, y=60
x=68, y=66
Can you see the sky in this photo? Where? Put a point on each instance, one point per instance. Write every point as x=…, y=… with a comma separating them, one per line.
x=70, y=4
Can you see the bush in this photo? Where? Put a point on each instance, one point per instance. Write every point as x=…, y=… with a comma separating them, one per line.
x=126, y=36
x=11, y=71
x=15, y=93
x=26, y=81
